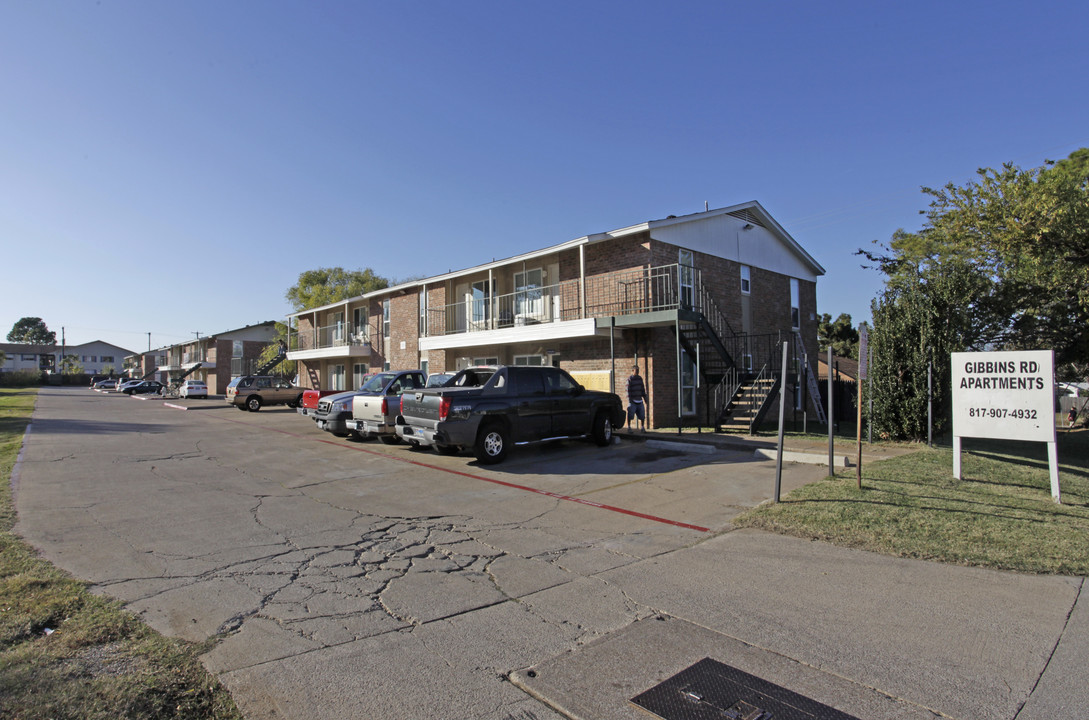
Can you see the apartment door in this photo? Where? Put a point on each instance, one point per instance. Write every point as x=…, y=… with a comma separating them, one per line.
x=686, y=274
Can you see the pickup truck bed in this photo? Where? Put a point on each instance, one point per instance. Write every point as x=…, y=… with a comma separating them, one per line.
x=375, y=407
x=517, y=405
x=310, y=399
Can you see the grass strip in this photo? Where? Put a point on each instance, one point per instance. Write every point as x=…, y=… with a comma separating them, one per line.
x=1001, y=515
x=66, y=653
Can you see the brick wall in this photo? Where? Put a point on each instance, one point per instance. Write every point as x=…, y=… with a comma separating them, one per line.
x=404, y=315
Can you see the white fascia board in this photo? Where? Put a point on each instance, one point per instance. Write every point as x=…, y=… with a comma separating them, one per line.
x=330, y=306
x=478, y=268
x=508, y=336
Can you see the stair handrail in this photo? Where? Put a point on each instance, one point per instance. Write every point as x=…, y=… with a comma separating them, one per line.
x=754, y=409
x=714, y=317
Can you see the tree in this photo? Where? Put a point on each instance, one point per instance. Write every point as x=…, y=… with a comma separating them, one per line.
x=1029, y=231
x=33, y=331
x=70, y=365
x=1000, y=263
x=918, y=323
x=329, y=285
x=839, y=334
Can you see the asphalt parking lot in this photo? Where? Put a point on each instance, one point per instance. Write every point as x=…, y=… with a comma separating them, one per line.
x=353, y=579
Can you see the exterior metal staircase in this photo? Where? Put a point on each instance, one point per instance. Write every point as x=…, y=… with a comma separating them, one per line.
x=172, y=389
x=749, y=403
x=706, y=327
x=267, y=367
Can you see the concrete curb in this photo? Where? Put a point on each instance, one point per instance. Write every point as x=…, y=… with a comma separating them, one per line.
x=801, y=457
x=682, y=446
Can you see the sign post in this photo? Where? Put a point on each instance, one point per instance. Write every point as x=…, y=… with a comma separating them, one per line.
x=863, y=371
x=1006, y=396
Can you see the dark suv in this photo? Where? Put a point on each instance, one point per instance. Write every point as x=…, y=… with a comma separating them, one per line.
x=252, y=392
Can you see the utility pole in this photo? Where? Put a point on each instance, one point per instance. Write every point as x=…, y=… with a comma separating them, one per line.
x=63, y=346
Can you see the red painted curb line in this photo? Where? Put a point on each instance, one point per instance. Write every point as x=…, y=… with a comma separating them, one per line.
x=515, y=486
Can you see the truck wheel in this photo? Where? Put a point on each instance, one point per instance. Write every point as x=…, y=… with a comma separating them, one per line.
x=253, y=403
x=390, y=439
x=492, y=443
x=447, y=449
x=603, y=429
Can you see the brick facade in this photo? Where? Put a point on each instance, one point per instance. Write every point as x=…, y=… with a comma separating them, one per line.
x=612, y=264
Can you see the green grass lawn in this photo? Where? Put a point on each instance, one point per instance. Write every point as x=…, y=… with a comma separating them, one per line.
x=1001, y=515
x=65, y=653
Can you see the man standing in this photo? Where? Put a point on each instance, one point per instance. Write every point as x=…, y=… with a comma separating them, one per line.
x=637, y=396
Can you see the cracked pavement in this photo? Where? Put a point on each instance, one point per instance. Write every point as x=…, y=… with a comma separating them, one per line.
x=346, y=580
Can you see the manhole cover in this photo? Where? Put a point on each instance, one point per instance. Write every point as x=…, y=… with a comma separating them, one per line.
x=711, y=690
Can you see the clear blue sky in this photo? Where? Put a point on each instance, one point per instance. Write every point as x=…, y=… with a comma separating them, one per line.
x=171, y=167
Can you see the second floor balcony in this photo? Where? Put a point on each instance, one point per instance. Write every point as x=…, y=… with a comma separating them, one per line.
x=634, y=296
x=340, y=339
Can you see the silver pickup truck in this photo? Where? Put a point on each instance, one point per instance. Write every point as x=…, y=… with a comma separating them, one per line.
x=376, y=405
x=515, y=405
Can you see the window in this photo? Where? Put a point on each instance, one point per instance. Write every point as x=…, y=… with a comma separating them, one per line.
x=528, y=299
x=107, y=358
x=336, y=321
x=485, y=361
x=385, y=318
x=795, y=305
x=746, y=280
x=359, y=325
x=423, y=312
x=559, y=381
x=336, y=377
x=424, y=367
x=527, y=383
x=688, y=384
x=482, y=303
x=528, y=360
x=236, y=349
x=358, y=371
x=686, y=261
x=28, y=358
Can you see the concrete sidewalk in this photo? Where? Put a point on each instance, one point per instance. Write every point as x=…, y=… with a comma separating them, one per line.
x=353, y=580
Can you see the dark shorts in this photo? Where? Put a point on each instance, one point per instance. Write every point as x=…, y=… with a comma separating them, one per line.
x=637, y=410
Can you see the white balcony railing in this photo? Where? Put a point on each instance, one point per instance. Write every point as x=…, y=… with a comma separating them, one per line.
x=666, y=287
x=331, y=336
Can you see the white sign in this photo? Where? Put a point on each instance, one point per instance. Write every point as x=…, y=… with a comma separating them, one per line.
x=1004, y=395
x=1008, y=396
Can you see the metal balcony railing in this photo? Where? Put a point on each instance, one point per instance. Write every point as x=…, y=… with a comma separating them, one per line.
x=329, y=336
x=666, y=287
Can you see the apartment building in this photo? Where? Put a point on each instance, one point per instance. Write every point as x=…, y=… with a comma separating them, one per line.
x=93, y=358
x=702, y=303
x=215, y=359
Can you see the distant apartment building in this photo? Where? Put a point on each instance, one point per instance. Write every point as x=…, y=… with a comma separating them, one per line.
x=93, y=358
x=215, y=359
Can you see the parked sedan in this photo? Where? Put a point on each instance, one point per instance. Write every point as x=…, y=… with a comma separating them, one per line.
x=109, y=384
x=144, y=387
x=193, y=389
x=127, y=382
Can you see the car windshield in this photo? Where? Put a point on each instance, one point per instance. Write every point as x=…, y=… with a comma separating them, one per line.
x=376, y=383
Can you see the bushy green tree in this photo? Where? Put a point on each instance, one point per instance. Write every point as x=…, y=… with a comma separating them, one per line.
x=70, y=365
x=33, y=331
x=329, y=285
x=840, y=334
x=920, y=322
x=1001, y=263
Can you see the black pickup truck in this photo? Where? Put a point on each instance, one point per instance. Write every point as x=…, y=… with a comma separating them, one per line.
x=514, y=405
